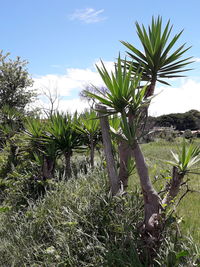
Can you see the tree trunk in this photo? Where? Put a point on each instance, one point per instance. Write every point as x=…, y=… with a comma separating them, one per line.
x=68, y=170
x=92, y=152
x=112, y=173
x=151, y=88
x=152, y=227
x=48, y=168
x=12, y=157
x=152, y=204
x=124, y=155
x=174, y=186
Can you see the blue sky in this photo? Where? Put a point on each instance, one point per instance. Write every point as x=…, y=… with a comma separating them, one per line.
x=62, y=40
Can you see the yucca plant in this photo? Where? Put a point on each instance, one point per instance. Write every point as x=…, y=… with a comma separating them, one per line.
x=159, y=60
x=124, y=96
x=185, y=158
x=123, y=89
x=184, y=162
x=89, y=127
x=62, y=131
x=40, y=149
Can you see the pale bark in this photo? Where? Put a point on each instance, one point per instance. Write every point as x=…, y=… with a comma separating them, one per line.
x=112, y=172
x=152, y=206
x=124, y=155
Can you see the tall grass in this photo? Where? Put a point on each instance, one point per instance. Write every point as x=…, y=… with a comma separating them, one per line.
x=77, y=223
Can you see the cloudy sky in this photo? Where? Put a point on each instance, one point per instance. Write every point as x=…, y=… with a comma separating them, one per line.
x=63, y=40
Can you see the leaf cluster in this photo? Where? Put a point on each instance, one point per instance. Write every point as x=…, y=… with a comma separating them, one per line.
x=158, y=60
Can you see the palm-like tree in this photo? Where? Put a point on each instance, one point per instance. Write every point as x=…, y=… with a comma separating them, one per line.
x=62, y=131
x=125, y=96
x=40, y=147
x=89, y=127
x=159, y=60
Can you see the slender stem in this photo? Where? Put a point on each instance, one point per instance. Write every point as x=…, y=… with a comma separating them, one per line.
x=92, y=151
x=112, y=173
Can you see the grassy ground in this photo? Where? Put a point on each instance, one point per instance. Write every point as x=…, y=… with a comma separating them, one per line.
x=156, y=153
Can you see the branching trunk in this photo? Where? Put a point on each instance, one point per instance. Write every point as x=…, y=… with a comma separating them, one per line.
x=112, y=173
x=174, y=186
x=152, y=206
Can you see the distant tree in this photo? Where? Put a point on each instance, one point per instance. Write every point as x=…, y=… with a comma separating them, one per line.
x=180, y=121
x=62, y=132
x=14, y=83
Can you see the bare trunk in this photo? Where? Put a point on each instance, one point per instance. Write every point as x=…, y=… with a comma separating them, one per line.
x=112, y=173
x=48, y=168
x=152, y=206
x=174, y=186
x=68, y=171
x=151, y=229
x=151, y=88
x=92, y=152
x=124, y=155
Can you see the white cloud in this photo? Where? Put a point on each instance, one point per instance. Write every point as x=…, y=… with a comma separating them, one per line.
x=75, y=104
x=74, y=79
x=109, y=65
x=179, y=98
x=88, y=15
x=196, y=59
x=176, y=99
x=67, y=87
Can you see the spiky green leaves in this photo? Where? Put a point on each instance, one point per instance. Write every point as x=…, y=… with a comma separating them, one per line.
x=185, y=159
x=124, y=89
x=158, y=60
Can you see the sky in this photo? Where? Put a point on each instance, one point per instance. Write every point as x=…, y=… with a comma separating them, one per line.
x=63, y=40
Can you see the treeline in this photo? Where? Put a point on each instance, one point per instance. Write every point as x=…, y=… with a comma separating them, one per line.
x=180, y=121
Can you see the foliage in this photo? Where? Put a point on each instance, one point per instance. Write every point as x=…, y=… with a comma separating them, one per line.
x=180, y=121
x=123, y=89
x=14, y=83
x=157, y=61
x=186, y=158
x=61, y=130
x=78, y=224
x=88, y=125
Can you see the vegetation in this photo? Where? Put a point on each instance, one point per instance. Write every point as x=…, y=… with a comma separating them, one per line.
x=14, y=83
x=123, y=207
x=180, y=121
x=77, y=223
